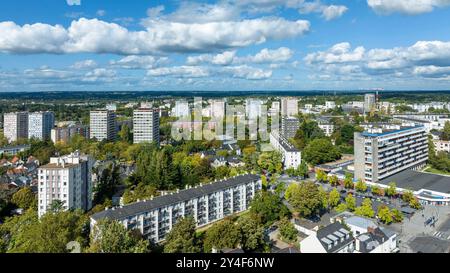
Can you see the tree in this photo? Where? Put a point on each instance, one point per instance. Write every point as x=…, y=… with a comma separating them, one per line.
x=334, y=198
x=305, y=198
x=361, y=186
x=125, y=134
x=397, y=216
x=348, y=181
x=376, y=190
x=320, y=151
x=446, y=132
x=350, y=202
x=365, y=209
x=407, y=196
x=111, y=236
x=182, y=237
x=341, y=208
x=24, y=198
x=140, y=192
x=268, y=208
x=224, y=234
x=321, y=176
x=105, y=187
x=271, y=162
x=392, y=189
x=57, y=206
x=415, y=204
x=384, y=214
x=303, y=170
x=288, y=232
x=333, y=180
x=252, y=233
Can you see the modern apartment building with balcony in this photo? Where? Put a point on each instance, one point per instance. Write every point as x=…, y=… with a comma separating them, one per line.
x=208, y=203
x=382, y=151
x=292, y=157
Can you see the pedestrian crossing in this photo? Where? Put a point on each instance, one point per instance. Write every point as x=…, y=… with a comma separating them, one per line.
x=442, y=235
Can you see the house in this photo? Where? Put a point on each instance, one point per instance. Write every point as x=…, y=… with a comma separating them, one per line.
x=218, y=161
x=377, y=240
x=334, y=238
x=234, y=161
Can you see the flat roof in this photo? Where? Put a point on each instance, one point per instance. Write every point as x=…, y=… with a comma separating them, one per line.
x=169, y=199
x=386, y=131
x=415, y=181
x=58, y=166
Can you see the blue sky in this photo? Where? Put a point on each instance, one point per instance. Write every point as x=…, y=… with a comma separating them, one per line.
x=63, y=45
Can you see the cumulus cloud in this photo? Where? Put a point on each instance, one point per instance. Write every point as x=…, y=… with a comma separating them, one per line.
x=180, y=71
x=73, y=2
x=100, y=74
x=140, y=62
x=329, y=12
x=411, y=7
x=96, y=36
x=248, y=73
x=339, y=53
x=86, y=64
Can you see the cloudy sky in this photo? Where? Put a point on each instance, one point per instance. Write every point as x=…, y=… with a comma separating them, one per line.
x=65, y=45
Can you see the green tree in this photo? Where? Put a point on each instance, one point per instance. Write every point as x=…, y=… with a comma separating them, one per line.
x=384, y=214
x=392, y=189
x=252, y=233
x=224, y=234
x=125, y=134
x=365, y=209
x=288, y=232
x=334, y=198
x=341, y=208
x=350, y=202
x=415, y=204
x=24, y=198
x=303, y=170
x=268, y=208
x=348, y=181
x=320, y=151
x=111, y=236
x=182, y=237
x=271, y=161
x=305, y=198
x=376, y=190
x=321, y=176
x=446, y=132
x=333, y=180
x=57, y=206
x=397, y=216
x=140, y=192
x=361, y=186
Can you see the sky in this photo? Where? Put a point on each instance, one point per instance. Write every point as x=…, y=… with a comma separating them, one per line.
x=106, y=45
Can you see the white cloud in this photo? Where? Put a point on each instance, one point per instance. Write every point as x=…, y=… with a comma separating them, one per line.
x=339, y=53
x=248, y=73
x=73, y=2
x=333, y=11
x=101, y=12
x=96, y=36
x=100, y=74
x=281, y=54
x=180, y=71
x=328, y=12
x=140, y=62
x=411, y=7
x=84, y=64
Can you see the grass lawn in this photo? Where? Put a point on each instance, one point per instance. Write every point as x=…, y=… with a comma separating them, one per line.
x=435, y=171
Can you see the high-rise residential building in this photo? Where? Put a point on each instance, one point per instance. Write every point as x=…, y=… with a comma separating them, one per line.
x=217, y=109
x=15, y=126
x=292, y=157
x=275, y=109
x=289, y=107
x=67, y=179
x=208, y=203
x=253, y=108
x=289, y=126
x=146, y=125
x=65, y=134
x=385, y=150
x=369, y=102
x=181, y=109
x=103, y=125
x=40, y=124
x=330, y=105
x=326, y=125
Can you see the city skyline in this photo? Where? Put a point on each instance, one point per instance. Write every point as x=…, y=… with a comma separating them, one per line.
x=224, y=45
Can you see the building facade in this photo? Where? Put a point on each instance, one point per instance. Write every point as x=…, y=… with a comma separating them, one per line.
x=146, y=125
x=65, y=134
x=382, y=152
x=208, y=203
x=15, y=126
x=40, y=125
x=289, y=107
x=369, y=102
x=67, y=179
x=289, y=126
x=103, y=125
x=292, y=157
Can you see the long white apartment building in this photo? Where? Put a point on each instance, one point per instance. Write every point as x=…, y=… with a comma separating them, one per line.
x=40, y=125
x=15, y=126
x=208, y=203
x=67, y=179
x=292, y=157
x=103, y=124
x=383, y=151
x=146, y=125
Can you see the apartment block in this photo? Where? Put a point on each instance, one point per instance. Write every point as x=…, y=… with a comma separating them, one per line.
x=65, y=134
x=208, y=203
x=289, y=107
x=67, y=179
x=40, y=125
x=103, y=125
x=289, y=126
x=369, y=102
x=146, y=125
x=292, y=157
x=383, y=151
x=15, y=126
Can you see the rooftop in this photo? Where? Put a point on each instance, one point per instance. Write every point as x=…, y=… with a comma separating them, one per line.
x=415, y=181
x=166, y=200
x=333, y=234
x=389, y=129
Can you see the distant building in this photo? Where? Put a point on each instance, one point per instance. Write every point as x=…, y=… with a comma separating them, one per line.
x=384, y=151
x=181, y=109
x=289, y=107
x=65, y=134
x=326, y=126
x=15, y=126
x=13, y=150
x=40, y=125
x=67, y=179
x=441, y=146
x=217, y=109
x=370, y=101
x=253, y=108
x=330, y=105
x=289, y=126
x=103, y=125
x=146, y=125
x=208, y=203
x=292, y=157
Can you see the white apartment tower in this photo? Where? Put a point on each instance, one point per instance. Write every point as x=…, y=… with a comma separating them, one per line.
x=15, y=126
x=40, y=125
x=369, y=102
x=383, y=152
x=146, y=125
x=289, y=107
x=103, y=125
x=67, y=179
x=292, y=157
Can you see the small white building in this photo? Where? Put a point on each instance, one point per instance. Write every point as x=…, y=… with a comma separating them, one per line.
x=334, y=238
x=292, y=157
